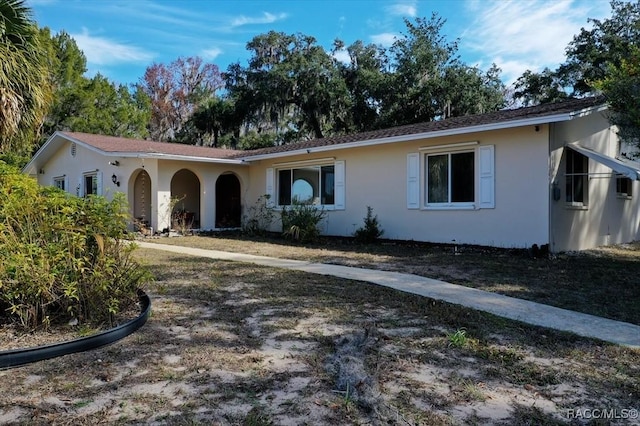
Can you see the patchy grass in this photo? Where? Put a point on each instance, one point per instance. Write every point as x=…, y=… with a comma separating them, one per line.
x=600, y=282
x=231, y=343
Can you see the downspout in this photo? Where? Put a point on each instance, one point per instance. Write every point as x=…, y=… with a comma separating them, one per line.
x=552, y=243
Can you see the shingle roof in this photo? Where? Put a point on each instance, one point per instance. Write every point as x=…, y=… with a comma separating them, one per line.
x=116, y=144
x=503, y=116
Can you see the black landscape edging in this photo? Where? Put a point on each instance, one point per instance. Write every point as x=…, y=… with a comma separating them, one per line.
x=17, y=357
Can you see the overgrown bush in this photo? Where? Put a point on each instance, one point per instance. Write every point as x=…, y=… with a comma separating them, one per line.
x=300, y=222
x=371, y=230
x=259, y=217
x=63, y=257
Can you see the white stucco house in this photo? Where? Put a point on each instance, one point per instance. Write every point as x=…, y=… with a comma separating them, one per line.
x=551, y=174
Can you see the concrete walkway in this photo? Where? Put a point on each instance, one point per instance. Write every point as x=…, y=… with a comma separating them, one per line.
x=508, y=307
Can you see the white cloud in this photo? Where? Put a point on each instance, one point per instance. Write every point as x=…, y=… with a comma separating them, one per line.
x=342, y=56
x=102, y=51
x=518, y=35
x=212, y=53
x=384, y=39
x=266, y=18
x=512, y=68
x=404, y=9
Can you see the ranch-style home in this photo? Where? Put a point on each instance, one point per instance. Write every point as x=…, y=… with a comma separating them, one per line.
x=551, y=174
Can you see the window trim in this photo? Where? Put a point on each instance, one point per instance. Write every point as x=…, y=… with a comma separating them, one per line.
x=624, y=195
x=339, y=196
x=577, y=205
x=64, y=181
x=292, y=170
x=450, y=205
x=98, y=176
x=485, y=175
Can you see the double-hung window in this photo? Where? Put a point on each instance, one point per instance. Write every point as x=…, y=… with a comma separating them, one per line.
x=450, y=178
x=306, y=185
x=577, y=178
x=91, y=183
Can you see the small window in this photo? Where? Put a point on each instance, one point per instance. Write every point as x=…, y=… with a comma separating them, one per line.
x=451, y=178
x=306, y=185
x=90, y=184
x=577, y=178
x=58, y=182
x=624, y=187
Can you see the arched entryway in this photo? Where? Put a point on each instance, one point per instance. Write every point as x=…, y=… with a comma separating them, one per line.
x=228, y=209
x=142, y=198
x=185, y=190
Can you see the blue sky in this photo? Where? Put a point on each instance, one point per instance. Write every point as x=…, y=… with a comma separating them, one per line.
x=120, y=38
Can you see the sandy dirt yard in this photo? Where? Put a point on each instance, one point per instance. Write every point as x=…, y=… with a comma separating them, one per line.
x=237, y=344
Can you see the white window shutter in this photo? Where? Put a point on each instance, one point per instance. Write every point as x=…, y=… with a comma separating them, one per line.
x=339, y=186
x=487, y=177
x=270, y=186
x=413, y=181
x=66, y=184
x=99, y=183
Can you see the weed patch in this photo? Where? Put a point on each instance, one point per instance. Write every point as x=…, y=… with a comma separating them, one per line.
x=269, y=346
x=600, y=282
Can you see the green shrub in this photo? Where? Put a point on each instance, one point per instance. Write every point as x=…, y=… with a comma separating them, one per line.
x=63, y=257
x=371, y=230
x=300, y=222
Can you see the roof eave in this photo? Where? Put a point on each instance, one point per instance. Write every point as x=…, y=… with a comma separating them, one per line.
x=161, y=156
x=589, y=110
x=125, y=154
x=416, y=136
x=31, y=167
x=157, y=155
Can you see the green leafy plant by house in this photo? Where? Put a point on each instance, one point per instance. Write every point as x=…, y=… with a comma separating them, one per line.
x=62, y=257
x=371, y=230
x=300, y=222
x=259, y=217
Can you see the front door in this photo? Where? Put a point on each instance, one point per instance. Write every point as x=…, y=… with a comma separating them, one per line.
x=228, y=210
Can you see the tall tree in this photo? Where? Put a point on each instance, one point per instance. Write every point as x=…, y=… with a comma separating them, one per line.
x=175, y=90
x=621, y=86
x=367, y=80
x=420, y=58
x=211, y=119
x=290, y=83
x=590, y=56
x=533, y=88
x=430, y=82
x=24, y=86
x=69, y=63
x=92, y=105
x=467, y=90
x=294, y=88
x=319, y=92
x=97, y=105
x=608, y=42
